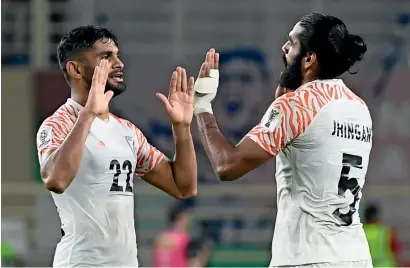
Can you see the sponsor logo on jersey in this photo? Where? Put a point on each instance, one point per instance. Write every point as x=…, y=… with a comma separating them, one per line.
x=100, y=144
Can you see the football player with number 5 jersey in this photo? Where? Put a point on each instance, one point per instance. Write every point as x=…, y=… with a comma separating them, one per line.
x=89, y=156
x=321, y=135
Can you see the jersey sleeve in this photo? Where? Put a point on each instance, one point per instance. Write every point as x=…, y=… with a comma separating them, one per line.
x=147, y=155
x=283, y=122
x=51, y=135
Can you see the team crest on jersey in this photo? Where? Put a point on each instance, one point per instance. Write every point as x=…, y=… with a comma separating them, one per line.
x=131, y=143
x=44, y=137
x=272, y=116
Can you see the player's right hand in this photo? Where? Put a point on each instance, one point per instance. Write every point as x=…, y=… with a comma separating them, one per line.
x=206, y=85
x=98, y=99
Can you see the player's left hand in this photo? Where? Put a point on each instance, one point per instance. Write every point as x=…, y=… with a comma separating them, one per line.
x=179, y=104
x=206, y=86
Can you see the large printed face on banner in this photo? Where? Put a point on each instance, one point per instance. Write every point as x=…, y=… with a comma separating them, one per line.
x=244, y=91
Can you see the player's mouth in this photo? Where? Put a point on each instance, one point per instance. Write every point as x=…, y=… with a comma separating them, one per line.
x=118, y=77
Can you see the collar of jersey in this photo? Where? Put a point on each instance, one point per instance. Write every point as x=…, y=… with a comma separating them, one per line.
x=79, y=107
x=74, y=103
x=331, y=81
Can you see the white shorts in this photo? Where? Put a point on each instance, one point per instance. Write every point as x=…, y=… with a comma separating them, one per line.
x=362, y=263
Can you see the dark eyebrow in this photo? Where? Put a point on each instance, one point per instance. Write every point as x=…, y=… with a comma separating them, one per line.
x=108, y=53
x=290, y=38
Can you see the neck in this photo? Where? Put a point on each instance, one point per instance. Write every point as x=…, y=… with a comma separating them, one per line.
x=309, y=76
x=308, y=80
x=79, y=98
x=82, y=100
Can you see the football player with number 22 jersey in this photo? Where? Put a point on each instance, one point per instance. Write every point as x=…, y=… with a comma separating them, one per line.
x=89, y=156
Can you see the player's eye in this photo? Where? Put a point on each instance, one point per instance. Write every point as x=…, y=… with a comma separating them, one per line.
x=106, y=56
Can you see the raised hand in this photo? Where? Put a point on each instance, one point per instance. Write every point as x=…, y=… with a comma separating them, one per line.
x=98, y=99
x=179, y=104
x=206, y=85
x=211, y=62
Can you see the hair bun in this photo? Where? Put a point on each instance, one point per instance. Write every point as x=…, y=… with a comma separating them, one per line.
x=353, y=48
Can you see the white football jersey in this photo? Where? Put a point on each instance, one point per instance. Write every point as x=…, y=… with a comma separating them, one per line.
x=321, y=135
x=97, y=209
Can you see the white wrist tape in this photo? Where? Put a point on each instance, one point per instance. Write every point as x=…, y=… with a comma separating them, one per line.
x=202, y=104
x=207, y=88
x=209, y=84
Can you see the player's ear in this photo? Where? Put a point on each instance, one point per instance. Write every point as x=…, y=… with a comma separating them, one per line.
x=309, y=60
x=74, y=69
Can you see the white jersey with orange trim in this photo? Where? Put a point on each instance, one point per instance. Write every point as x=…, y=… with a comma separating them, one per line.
x=321, y=135
x=97, y=209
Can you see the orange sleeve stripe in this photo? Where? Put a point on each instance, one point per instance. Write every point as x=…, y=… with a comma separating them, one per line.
x=147, y=155
x=60, y=123
x=298, y=110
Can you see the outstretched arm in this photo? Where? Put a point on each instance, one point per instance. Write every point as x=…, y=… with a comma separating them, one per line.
x=278, y=127
x=178, y=177
x=229, y=161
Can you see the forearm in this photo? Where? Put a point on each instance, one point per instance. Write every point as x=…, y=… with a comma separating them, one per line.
x=220, y=151
x=62, y=165
x=184, y=166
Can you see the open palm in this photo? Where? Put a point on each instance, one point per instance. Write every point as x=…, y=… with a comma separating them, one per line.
x=179, y=104
x=98, y=99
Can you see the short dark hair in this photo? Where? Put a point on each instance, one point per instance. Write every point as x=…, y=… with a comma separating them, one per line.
x=327, y=36
x=176, y=211
x=78, y=40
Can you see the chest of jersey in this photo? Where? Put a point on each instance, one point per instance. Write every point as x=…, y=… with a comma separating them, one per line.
x=109, y=160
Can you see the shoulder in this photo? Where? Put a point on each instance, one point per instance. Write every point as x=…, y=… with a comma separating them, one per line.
x=56, y=127
x=128, y=125
x=292, y=106
x=123, y=122
x=325, y=91
x=293, y=112
x=62, y=120
x=313, y=96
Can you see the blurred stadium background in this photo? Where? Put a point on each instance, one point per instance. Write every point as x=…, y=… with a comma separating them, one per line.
x=158, y=35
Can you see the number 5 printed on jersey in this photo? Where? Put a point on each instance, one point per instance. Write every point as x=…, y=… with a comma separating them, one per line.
x=345, y=183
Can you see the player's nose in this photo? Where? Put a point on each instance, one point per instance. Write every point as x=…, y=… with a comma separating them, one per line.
x=118, y=64
x=285, y=48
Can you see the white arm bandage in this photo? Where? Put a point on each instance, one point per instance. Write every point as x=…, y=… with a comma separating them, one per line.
x=207, y=88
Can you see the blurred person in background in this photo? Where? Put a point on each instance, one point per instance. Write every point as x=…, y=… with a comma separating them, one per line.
x=8, y=255
x=199, y=252
x=321, y=135
x=171, y=245
x=383, y=242
x=89, y=157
